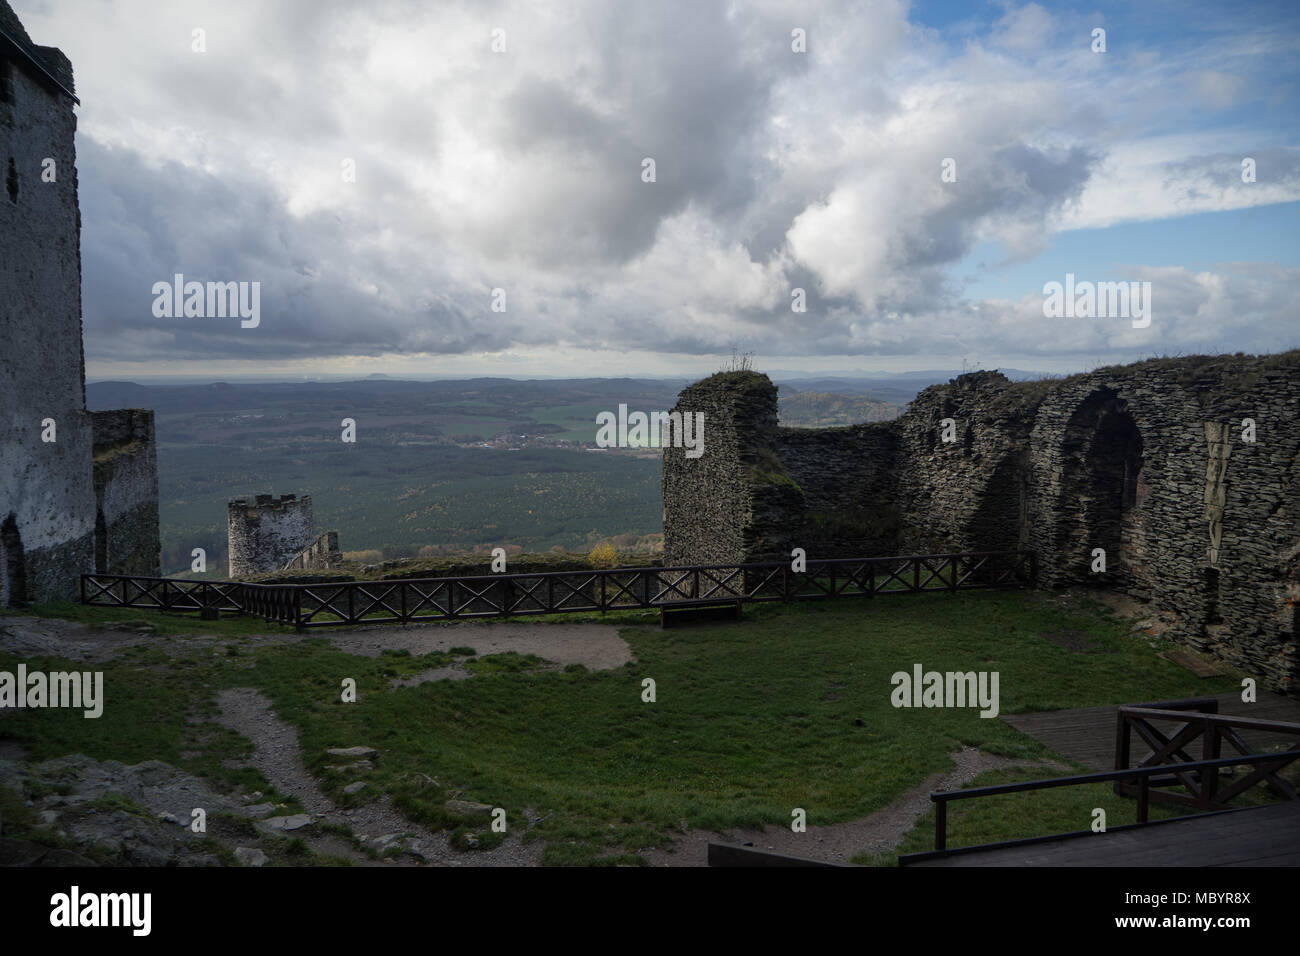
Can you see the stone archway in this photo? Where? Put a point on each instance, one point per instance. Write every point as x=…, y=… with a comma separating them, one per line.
x=1102, y=488
x=1001, y=523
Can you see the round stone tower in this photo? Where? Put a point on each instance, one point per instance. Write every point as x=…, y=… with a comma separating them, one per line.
x=264, y=532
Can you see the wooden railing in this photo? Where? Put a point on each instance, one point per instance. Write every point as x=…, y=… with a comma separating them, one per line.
x=1168, y=765
x=1197, y=718
x=557, y=592
x=1142, y=776
x=162, y=594
x=274, y=602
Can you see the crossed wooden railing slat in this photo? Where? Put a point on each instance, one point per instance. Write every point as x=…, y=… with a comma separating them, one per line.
x=552, y=592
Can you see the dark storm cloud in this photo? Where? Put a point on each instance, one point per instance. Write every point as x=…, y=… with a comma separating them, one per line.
x=143, y=225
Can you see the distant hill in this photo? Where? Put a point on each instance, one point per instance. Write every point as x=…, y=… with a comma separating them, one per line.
x=818, y=409
x=444, y=466
x=438, y=466
x=506, y=394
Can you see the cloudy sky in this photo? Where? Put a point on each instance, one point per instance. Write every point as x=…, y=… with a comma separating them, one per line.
x=522, y=168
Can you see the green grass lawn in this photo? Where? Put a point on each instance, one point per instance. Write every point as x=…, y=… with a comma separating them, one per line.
x=790, y=708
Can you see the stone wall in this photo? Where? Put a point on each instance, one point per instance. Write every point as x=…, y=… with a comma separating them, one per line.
x=710, y=501
x=846, y=503
x=265, y=533
x=126, y=492
x=1208, y=527
x=47, y=500
x=967, y=493
x=1146, y=462
x=321, y=555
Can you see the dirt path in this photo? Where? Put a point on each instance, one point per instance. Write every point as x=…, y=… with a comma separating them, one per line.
x=596, y=646
x=838, y=843
x=39, y=636
x=276, y=754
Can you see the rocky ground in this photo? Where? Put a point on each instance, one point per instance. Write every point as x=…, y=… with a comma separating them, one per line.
x=104, y=812
x=76, y=811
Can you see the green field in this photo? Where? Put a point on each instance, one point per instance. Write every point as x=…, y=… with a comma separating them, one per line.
x=399, y=499
x=790, y=708
x=449, y=465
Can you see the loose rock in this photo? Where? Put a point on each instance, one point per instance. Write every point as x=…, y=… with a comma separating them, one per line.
x=250, y=856
x=468, y=808
x=295, y=822
x=352, y=752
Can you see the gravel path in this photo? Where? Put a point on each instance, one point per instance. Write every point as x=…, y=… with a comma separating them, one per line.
x=880, y=832
x=596, y=646
x=276, y=754
x=40, y=636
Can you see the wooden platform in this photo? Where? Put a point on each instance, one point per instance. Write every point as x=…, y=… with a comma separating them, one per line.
x=1087, y=734
x=1257, y=836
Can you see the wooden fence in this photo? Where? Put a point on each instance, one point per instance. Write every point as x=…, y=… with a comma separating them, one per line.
x=559, y=592
x=1169, y=766
x=1192, y=719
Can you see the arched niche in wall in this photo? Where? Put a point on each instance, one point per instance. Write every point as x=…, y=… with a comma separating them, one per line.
x=1101, y=488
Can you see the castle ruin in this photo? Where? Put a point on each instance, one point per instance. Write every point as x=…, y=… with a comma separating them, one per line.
x=265, y=533
x=78, y=489
x=1185, y=472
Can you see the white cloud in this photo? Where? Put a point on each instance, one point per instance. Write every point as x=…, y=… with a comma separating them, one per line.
x=522, y=170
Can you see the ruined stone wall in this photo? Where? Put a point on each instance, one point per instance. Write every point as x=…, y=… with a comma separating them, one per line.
x=1146, y=462
x=265, y=533
x=760, y=490
x=321, y=555
x=1212, y=530
x=709, y=501
x=47, y=502
x=967, y=494
x=126, y=492
x=849, y=491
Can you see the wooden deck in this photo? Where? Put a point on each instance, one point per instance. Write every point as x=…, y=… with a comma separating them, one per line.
x=1256, y=836
x=1087, y=734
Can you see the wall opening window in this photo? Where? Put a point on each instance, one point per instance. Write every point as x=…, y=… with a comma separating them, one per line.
x=13, y=577
x=101, y=543
x=1100, y=487
x=6, y=80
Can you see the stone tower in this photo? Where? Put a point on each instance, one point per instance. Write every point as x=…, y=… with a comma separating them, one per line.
x=265, y=532
x=52, y=525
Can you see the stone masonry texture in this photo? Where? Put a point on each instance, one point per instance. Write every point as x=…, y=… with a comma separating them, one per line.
x=49, y=500
x=126, y=492
x=265, y=533
x=1150, y=462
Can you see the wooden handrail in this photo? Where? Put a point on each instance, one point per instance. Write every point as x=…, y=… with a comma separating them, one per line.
x=1214, y=719
x=1195, y=718
x=499, y=595
x=941, y=798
